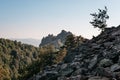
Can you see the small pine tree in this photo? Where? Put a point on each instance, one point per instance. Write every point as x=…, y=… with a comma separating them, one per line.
x=70, y=42
x=99, y=19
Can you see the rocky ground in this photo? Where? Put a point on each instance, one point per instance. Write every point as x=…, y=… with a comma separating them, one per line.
x=96, y=59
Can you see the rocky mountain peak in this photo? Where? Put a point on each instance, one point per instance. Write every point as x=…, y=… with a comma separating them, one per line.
x=57, y=40
x=63, y=31
x=50, y=35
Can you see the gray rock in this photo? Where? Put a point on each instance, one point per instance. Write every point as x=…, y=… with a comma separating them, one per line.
x=104, y=72
x=98, y=78
x=108, y=44
x=105, y=63
x=66, y=71
x=63, y=66
x=75, y=65
x=119, y=60
x=78, y=77
x=116, y=32
x=115, y=67
x=93, y=62
x=117, y=47
x=81, y=71
x=95, y=46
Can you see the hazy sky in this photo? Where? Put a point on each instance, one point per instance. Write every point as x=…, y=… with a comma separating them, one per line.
x=38, y=18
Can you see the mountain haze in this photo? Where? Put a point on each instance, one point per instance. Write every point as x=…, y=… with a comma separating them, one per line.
x=30, y=41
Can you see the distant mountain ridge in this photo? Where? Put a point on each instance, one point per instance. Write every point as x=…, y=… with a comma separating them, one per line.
x=57, y=41
x=30, y=41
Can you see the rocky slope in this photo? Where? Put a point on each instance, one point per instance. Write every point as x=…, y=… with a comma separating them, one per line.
x=96, y=59
x=57, y=41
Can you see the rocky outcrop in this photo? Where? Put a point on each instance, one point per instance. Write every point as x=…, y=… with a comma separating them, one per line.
x=96, y=59
x=57, y=41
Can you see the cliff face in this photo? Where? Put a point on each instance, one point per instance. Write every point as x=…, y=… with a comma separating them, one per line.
x=96, y=59
x=57, y=41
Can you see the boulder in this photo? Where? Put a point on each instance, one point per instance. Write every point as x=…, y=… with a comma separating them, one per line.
x=108, y=44
x=106, y=72
x=115, y=67
x=63, y=66
x=66, y=72
x=93, y=62
x=98, y=78
x=105, y=63
x=96, y=46
x=81, y=71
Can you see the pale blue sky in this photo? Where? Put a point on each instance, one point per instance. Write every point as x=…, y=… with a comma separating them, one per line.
x=38, y=18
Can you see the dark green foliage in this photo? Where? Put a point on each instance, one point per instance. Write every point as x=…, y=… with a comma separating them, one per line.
x=99, y=19
x=14, y=53
x=60, y=55
x=47, y=55
x=73, y=41
x=70, y=42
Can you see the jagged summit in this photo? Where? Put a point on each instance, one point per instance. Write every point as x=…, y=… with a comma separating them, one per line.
x=57, y=41
x=96, y=59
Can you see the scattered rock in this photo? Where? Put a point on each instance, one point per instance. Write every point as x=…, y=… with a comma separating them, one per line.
x=95, y=59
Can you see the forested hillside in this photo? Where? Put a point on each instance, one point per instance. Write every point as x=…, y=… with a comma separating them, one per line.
x=20, y=61
x=14, y=57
